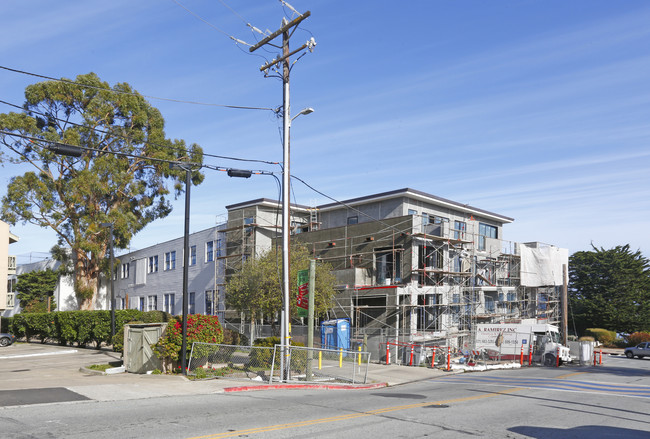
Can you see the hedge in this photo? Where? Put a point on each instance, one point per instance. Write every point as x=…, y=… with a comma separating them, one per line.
x=80, y=327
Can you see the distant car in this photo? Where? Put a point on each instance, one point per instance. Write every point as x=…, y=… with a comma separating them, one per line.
x=6, y=339
x=641, y=350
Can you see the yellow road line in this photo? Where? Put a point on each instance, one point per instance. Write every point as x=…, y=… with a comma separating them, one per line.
x=349, y=416
x=568, y=375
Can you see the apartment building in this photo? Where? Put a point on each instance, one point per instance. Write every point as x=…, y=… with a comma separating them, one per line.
x=411, y=266
x=152, y=278
x=7, y=269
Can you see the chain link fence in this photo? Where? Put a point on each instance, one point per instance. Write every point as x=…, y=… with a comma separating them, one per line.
x=256, y=363
x=316, y=365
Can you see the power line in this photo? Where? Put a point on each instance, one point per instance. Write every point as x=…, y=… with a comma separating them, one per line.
x=96, y=130
x=180, y=101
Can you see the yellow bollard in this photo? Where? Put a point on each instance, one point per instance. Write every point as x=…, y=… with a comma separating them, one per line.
x=359, y=355
x=341, y=357
x=320, y=360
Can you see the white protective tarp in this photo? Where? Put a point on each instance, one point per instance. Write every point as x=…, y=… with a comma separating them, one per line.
x=542, y=266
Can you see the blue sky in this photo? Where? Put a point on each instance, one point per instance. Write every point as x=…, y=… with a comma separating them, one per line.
x=537, y=110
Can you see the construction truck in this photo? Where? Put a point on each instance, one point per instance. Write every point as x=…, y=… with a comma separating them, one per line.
x=507, y=341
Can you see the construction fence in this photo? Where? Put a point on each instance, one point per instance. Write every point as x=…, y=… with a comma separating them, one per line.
x=262, y=364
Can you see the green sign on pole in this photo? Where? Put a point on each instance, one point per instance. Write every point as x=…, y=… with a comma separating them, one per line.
x=302, y=301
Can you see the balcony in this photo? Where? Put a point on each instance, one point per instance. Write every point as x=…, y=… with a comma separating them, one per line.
x=12, y=265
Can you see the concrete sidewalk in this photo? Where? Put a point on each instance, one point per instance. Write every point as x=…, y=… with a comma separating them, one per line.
x=37, y=366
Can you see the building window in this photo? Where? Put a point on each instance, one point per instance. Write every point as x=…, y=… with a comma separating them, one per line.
x=209, y=302
x=141, y=303
x=168, y=304
x=485, y=231
x=153, y=264
x=209, y=251
x=387, y=264
x=120, y=303
x=353, y=220
x=192, y=255
x=218, y=249
x=459, y=229
x=247, y=221
x=125, y=271
x=425, y=218
x=412, y=212
x=152, y=303
x=170, y=260
x=191, y=304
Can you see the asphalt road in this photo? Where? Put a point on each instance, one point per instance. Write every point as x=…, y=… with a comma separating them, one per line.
x=608, y=401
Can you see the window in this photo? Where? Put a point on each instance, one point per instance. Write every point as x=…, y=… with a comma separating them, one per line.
x=489, y=304
x=388, y=267
x=191, y=308
x=209, y=251
x=141, y=303
x=152, y=303
x=168, y=304
x=192, y=255
x=353, y=220
x=170, y=260
x=153, y=264
x=125, y=271
x=425, y=218
x=412, y=212
x=247, y=221
x=459, y=229
x=485, y=231
x=218, y=249
x=209, y=302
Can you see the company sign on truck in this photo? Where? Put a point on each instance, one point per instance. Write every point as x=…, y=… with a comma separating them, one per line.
x=505, y=341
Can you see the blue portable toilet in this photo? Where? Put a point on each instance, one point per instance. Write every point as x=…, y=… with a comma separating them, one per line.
x=335, y=334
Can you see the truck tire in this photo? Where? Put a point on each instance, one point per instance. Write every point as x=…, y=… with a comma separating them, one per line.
x=549, y=360
x=629, y=354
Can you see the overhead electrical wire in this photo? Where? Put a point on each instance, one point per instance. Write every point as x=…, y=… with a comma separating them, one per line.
x=145, y=142
x=180, y=101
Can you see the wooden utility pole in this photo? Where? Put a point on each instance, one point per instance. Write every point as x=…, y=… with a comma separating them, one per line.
x=565, y=307
x=285, y=31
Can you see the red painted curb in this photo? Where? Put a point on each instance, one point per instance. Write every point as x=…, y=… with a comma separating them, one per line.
x=305, y=387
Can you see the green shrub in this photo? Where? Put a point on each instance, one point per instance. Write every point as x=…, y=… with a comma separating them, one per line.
x=200, y=328
x=604, y=336
x=637, y=337
x=156, y=317
x=234, y=338
x=586, y=338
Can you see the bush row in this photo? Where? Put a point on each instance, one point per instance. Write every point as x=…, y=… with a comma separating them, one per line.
x=78, y=327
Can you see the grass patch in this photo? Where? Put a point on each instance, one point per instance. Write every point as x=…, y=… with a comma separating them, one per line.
x=100, y=367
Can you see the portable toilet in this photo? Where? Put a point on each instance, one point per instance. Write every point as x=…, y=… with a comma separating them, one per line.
x=335, y=334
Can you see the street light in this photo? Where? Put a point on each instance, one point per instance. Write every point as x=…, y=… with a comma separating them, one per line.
x=286, y=213
x=110, y=225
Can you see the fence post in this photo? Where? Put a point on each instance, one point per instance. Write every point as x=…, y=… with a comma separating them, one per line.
x=433, y=358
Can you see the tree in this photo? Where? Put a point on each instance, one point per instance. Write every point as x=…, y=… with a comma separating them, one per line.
x=35, y=289
x=74, y=195
x=256, y=290
x=610, y=289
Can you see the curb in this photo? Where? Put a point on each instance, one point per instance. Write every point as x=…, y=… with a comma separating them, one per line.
x=305, y=387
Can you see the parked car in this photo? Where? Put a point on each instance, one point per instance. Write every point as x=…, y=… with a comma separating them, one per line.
x=6, y=339
x=641, y=350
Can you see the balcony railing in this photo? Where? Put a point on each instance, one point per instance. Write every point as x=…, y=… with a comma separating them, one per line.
x=12, y=265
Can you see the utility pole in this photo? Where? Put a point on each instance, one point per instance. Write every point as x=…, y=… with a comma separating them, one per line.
x=285, y=31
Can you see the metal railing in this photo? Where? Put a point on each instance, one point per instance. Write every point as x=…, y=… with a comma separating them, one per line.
x=255, y=363
x=314, y=365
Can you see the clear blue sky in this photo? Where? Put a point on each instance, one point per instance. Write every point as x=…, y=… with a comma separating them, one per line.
x=537, y=110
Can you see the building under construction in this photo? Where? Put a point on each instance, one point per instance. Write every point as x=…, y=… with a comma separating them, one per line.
x=411, y=267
